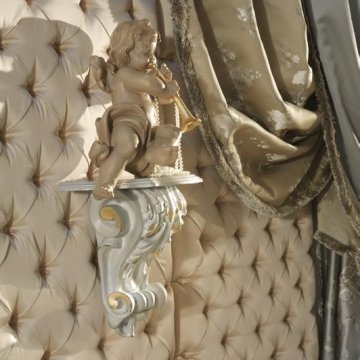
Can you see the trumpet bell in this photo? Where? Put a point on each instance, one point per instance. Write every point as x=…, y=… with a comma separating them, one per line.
x=188, y=121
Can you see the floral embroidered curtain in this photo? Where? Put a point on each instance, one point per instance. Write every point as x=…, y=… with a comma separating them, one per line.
x=246, y=67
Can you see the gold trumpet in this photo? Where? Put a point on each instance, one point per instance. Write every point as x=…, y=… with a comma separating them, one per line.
x=188, y=121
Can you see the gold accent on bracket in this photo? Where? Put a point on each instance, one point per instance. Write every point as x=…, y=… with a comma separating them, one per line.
x=116, y=296
x=152, y=230
x=108, y=213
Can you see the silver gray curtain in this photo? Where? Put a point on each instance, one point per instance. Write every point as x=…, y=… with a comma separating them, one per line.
x=338, y=307
x=335, y=31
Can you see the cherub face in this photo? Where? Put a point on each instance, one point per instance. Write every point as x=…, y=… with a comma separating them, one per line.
x=142, y=54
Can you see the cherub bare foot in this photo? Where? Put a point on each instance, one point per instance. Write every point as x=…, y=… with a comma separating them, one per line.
x=103, y=191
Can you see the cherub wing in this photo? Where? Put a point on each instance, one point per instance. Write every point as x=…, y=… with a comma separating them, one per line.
x=101, y=72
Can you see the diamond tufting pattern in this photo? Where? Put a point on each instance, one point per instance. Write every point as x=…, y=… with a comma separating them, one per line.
x=240, y=285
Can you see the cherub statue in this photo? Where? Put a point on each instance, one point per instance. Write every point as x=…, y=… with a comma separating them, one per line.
x=129, y=133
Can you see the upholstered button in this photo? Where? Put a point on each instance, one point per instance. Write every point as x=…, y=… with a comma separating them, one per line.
x=7, y=229
x=221, y=271
x=148, y=328
x=82, y=5
x=57, y=47
x=46, y=355
x=66, y=223
x=66, y=219
x=14, y=322
x=35, y=179
x=224, y=340
x=101, y=344
x=267, y=228
x=206, y=310
x=3, y=136
x=29, y=2
x=271, y=292
x=61, y=133
x=74, y=307
x=302, y=342
x=286, y=318
x=30, y=89
x=42, y=270
x=274, y=353
x=255, y=262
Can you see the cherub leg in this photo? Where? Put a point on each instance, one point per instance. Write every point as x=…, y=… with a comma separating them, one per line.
x=163, y=149
x=125, y=142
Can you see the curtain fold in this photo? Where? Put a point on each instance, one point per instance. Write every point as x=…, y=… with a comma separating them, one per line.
x=249, y=83
x=246, y=67
x=336, y=65
x=338, y=306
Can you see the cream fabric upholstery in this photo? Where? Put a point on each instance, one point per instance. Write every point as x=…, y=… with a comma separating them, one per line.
x=240, y=286
x=243, y=283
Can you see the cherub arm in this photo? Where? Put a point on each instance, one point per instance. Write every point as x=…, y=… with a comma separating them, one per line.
x=167, y=76
x=149, y=83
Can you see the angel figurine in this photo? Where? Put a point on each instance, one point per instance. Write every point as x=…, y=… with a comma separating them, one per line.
x=129, y=134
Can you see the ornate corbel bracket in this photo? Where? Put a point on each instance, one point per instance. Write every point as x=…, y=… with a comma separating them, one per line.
x=131, y=229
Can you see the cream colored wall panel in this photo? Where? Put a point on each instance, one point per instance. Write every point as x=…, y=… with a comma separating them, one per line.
x=241, y=286
x=50, y=302
x=243, y=283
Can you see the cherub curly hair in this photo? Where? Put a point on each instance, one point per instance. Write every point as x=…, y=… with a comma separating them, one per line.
x=125, y=35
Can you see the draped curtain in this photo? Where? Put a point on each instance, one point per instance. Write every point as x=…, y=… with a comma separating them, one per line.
x=280, y=116
x=250, y=82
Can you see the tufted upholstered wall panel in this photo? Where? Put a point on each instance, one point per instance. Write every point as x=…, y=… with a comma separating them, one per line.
x=240, y=285
x=243, y=283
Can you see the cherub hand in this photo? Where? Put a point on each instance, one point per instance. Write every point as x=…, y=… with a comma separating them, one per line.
x=172, y=88
x=165, y=72
x=96, y=62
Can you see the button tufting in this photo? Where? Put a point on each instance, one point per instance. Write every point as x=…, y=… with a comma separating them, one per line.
x=148, y=329
x=66, y=217
x=3, y=136
x=256, y=261
x=267, y=228
x=66, y=222
x=74, y=308
x=57, y=47
x=14, y=322
x=30, y=89
x=101, y=344
x=271, y=292
x=35, y=179
x=46, y=355
x=29, y=2
x=61, y=133
x=7, y=229
x=274, y=353
x=221, y=271
x=286, y=319
x=302, y=343
x=42, y=270
x=224, y=340
x=82, y=5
